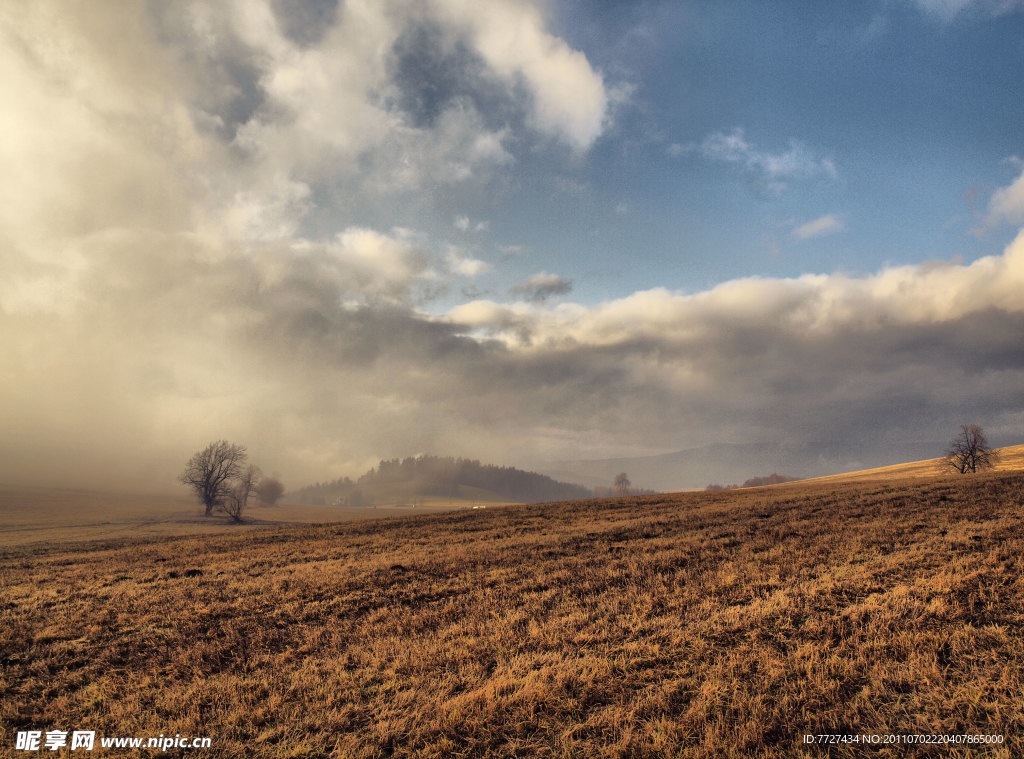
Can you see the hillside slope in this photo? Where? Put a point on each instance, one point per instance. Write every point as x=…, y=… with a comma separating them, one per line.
x=432, y=478
x=695, y=468
x=1011, y=459
x=696, y=625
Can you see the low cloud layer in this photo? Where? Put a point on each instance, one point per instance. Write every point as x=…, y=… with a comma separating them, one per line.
x=283, y=350
x=168, y=280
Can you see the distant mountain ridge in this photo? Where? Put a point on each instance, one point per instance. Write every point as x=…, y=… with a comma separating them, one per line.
x=696, y=468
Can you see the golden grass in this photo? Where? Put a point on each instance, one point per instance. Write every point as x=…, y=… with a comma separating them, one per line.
x=697, y=625
x=1011, y=459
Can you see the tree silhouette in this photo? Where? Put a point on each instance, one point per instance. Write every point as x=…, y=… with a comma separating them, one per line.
x=212, y=471
x=969, y=451
x=269, y=490
x=237, y=496
x=622, y=484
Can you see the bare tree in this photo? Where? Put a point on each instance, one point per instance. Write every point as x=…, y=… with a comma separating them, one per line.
x=622, y=484
x=269, y=490
x=211, y=472
x=237, y=497
x=969, y=451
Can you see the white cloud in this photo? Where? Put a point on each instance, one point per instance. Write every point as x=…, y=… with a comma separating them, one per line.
x=329, y=115
x=386, y=264
x=78, y=112
x=569, y=98
x=465, y=224
x=824, y=225
x=273, y=211
x=325, y=120
x=1006, y=205
x=798, y=162
x=802, y=306
x=464, y=266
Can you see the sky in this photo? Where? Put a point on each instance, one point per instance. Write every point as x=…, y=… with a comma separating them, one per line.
x=518, y=231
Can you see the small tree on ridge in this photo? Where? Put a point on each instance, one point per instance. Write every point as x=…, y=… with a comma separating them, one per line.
x=969, y=451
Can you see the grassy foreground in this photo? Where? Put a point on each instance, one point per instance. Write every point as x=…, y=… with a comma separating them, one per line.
x=700, y=624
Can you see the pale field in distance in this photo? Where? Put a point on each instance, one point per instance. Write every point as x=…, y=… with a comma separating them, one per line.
x=39, y=514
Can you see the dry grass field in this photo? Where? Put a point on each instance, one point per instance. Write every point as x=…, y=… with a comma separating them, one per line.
x=40, y=514
x=1010, y=459
x=697, y=625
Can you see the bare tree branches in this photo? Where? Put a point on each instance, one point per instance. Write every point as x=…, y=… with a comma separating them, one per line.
x=237, y=497
x=969, y=451
x=211, y=471
x=622, y=484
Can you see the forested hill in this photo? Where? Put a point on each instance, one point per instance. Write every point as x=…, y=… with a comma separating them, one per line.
x=405, y=479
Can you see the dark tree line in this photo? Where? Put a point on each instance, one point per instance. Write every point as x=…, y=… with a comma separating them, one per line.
x=436, y=475
x=443, y=476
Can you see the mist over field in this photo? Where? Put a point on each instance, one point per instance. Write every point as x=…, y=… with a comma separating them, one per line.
x=342, y=232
